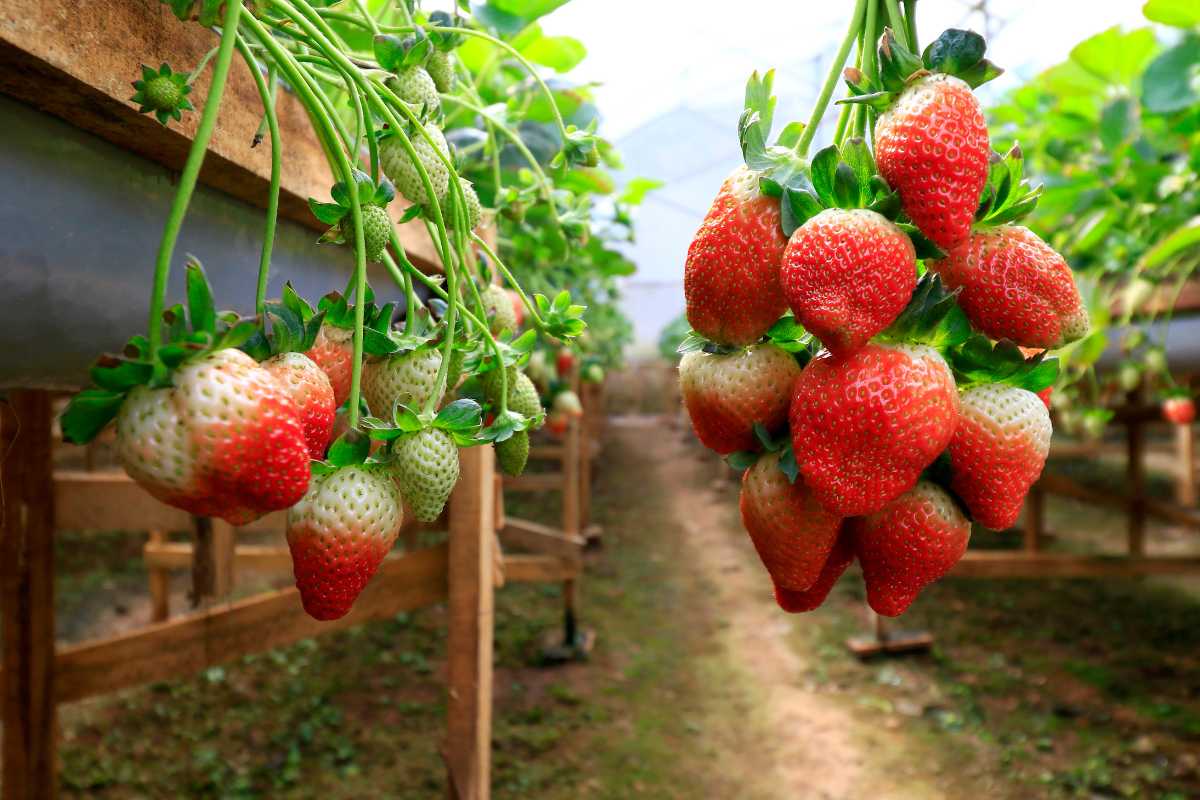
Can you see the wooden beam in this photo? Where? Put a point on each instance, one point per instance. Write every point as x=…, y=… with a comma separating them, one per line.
x=30, y=766
x=80, y=67
x=469, y=635
x=195, y=641
x=547, y=452
x=111, y=501
x=534, y=482
x=1175, y=514
x=160, y=578
x=1017, y=564
x=524, y=568
x=256, y=557
x=1185, y=457
x=542, y=539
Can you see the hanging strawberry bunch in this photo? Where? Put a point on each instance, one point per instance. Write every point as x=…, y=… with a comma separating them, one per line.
x=347, y=415
x=859, y=317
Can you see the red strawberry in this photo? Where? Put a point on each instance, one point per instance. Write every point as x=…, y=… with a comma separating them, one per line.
x=864, y=426
x=1179, y=410
x=310, y=389
x=564, y=362
x=998, y=451
x=726, y=394
x=333, y=352
x=847, y=275
x=791, y=532
x=1015, y=286
x=225, y=441
x=907, y=545
x=810, y=599
x=731, y=276
x=338, y=535
x=932, y=147
x=1044, y=396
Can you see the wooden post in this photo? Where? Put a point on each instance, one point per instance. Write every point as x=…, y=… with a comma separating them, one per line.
x=469, y=637
x=160, y=584
x=202, y=560
x=1185, y=448
x=1135, y=472
x=1035, y=519
x=27, y=598
x=224, y=540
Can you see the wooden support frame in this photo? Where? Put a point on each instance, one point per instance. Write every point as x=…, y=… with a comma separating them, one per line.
x=36, y=677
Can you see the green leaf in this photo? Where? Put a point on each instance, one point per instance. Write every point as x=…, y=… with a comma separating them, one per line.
x=560, y=53
x=1115, y=56
x=636, y=190
x=348, y=449
x=526, y=10
x=406, y=419
x=1116, y=123
x=954, y=51
x=201, y=311
x=389, y=51
x=239, y=334
x=1169, y=83
x=461, y=415
x=846, y=191
x=1177, y=13
x=88, y=413
x=796, y=208
x=384, y=193
x=1183, y=238
x=824, y=165
x=327, y=213
x=896, y=62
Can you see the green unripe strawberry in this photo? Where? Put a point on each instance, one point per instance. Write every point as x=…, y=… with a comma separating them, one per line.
x=454, y=369
x=1129, y=376
x=377, y=230
x=403, y=172
x=426, y=471
x=474, y=207
x=441, y=69
x=415, y=87
x=406, y=379
x=1155, y=361
x=490, y=381
x=499, y=307
x=523, y=397
x=162, y=93
x=512, y=453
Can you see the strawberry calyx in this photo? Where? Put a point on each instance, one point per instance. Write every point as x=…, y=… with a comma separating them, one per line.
x=742, y=460
x=979, y=360
x=337, y=213
x=956, y=52
x=462, y=419
x=192, y=331
x=163, y=93
x=289, y=325
x=1007, y=196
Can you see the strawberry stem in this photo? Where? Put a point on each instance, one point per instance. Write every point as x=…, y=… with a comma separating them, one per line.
x=870, y=36
x=268, y=101
x=899, y=26
x=831, y=79
x=191, y=171
x=910, y=22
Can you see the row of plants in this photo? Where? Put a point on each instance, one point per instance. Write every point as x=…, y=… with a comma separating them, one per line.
x=1113, y=132
x=350, y=412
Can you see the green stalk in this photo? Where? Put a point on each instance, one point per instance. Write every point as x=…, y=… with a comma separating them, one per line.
x=848, y=109
x=910, y=22
x=508, y=276
x=831, y=79
x=191, y=171
x=195, y=73
x=268, y=101
x=899, y=27
x=868, y=63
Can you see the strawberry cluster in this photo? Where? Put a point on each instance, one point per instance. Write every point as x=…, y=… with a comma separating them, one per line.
x=858, y=324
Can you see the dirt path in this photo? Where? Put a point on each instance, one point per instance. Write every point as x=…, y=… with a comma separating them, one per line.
x=817, y=745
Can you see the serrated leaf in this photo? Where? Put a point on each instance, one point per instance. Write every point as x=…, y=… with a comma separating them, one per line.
x=407, y=419
x=461, y=415
x=376, y=343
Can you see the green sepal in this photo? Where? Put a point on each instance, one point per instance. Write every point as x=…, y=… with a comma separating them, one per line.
x=897, y=64
x=503, y=427
x=349, y=449
x=923, y=246
x=787, y=460
x=931, y=317
x=389, y=52
x=176, y=319
x=561, y=318
x=1007, y=196
x=327, y=213
x=978, y=360
x=462, y=420
x=201, y=311
x=742, y=460
x=960, y=53
x=117, y=374
x=777, y=163
x=88, y=413
x=788, y=334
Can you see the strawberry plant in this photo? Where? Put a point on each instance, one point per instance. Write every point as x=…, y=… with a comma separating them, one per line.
x=348, y=411
x=858, y=318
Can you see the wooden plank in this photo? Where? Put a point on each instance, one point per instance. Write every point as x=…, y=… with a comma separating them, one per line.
x=160, y=579
x=223, y=544
x=80, y=66
x=525, y=568
x=534, y=482
x=1035, y=519
x=1063, y=486
x=1185, y=455
x=195, y=641
x=1135, y=481
x=541, y=539
x=1177, y=515
x=163, y=556
x=470, y=628
x=110, y=501
x=27, y=599
x=1017, y=564
x=547, y=452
